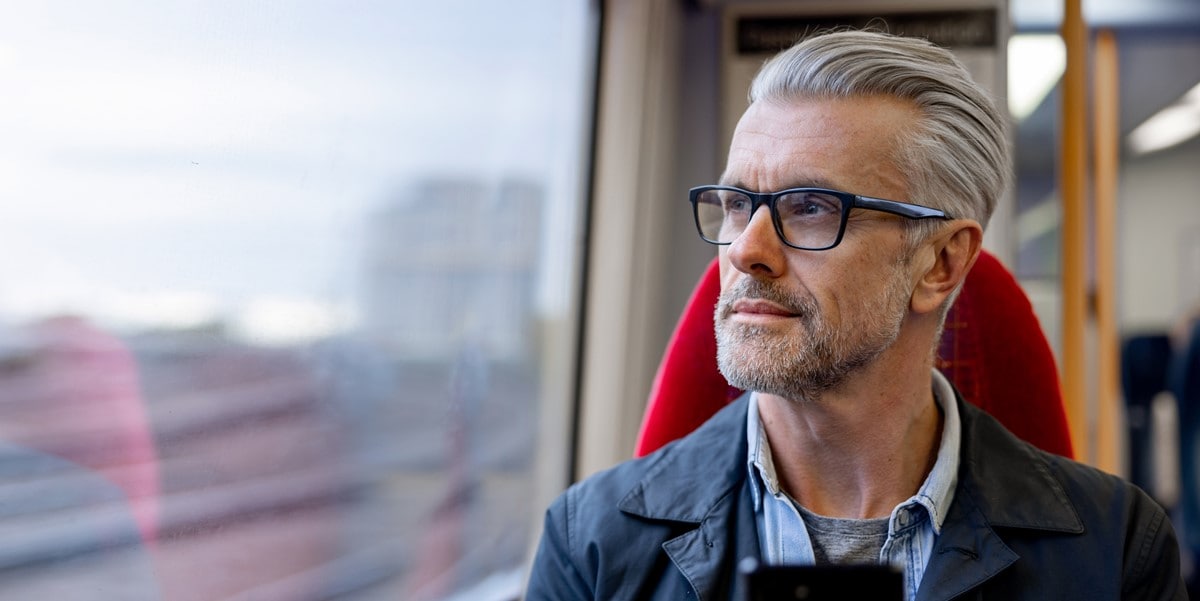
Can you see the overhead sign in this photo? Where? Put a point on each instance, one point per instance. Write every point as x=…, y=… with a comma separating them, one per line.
x=768, y=34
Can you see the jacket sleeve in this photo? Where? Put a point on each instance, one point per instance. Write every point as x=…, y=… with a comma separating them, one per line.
x=554, y=575
x=1153, y=569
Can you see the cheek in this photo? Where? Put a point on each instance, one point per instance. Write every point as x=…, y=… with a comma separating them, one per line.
x=850, y=292
x=875, y=260
x=729, y=275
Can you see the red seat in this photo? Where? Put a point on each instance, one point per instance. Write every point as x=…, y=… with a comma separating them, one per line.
x=993, y=350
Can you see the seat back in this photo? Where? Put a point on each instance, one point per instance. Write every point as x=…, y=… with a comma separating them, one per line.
x=992, y=349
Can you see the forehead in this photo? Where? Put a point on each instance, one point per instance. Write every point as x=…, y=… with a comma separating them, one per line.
x=844, y=143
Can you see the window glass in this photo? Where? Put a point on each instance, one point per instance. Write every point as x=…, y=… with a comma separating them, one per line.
x=286, y=294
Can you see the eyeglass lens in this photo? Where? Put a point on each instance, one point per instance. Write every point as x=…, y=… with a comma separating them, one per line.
x=808, y=219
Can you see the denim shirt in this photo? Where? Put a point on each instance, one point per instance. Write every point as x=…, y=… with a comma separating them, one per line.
x=913, y=526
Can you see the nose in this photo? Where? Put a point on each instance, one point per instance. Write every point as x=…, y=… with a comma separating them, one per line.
x=758, y=251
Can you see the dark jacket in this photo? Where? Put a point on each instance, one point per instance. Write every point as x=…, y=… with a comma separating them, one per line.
x=1024, y=524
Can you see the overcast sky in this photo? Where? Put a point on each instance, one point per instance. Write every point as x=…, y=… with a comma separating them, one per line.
x=167, y=161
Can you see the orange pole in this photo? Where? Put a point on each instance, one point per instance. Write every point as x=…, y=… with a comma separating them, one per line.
x=1072, y=185
x=1106, y=163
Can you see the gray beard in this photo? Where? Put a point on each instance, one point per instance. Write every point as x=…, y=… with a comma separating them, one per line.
x=814, y=356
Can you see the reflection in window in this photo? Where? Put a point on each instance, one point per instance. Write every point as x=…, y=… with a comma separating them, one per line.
x=285, y=293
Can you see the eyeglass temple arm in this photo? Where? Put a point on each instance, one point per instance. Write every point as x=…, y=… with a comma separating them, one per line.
x=898, y=208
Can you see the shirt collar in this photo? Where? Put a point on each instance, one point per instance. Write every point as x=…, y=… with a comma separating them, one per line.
x=935, y=494
x=758, y=460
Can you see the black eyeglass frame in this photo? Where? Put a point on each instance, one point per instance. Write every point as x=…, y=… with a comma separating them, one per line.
x=849, y=201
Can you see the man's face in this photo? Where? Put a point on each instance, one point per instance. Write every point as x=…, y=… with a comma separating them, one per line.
x=796, y=323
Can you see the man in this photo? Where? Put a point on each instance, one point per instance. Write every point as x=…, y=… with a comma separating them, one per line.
x=849, y=213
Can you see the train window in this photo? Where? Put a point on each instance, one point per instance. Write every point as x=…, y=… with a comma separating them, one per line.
x=289, y=291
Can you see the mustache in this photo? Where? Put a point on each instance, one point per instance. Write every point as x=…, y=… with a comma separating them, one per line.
x=750, y=288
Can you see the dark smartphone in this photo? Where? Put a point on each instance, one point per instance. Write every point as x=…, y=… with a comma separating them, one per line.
x=820, y=583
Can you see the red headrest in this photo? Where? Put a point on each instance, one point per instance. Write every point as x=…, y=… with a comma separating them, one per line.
x=993, y=350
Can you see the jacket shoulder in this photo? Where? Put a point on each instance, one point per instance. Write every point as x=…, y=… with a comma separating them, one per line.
x=1024, y=482
x=604, y=536
x=1055, y=511
x=593, y=549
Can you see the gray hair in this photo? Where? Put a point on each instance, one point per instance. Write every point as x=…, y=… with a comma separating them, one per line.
x=957, y=154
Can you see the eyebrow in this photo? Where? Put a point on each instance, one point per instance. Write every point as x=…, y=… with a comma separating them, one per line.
x=802, y=183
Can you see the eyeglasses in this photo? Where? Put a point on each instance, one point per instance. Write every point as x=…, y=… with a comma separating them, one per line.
x=804, y=218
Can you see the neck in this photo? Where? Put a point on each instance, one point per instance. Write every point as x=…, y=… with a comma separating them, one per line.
x=862, y=448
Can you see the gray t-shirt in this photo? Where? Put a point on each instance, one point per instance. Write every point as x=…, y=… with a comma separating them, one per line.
x=843, y=540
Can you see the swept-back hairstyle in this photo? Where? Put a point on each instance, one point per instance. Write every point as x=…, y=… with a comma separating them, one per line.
x=956, y=156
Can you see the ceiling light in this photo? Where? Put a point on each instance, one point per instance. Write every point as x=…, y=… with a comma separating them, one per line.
x=1173, y=125
x=1035, y=63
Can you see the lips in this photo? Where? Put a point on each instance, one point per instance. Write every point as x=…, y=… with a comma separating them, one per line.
x=754, y=306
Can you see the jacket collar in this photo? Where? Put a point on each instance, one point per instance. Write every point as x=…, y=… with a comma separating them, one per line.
x=1010, y=480
x=1003, y=483
x=695, y=473
x=701, y=480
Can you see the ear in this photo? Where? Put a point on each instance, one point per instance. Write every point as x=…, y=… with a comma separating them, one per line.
x=948, y=255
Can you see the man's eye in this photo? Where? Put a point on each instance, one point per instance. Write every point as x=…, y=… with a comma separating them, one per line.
x=737, y=204
x=809, y=206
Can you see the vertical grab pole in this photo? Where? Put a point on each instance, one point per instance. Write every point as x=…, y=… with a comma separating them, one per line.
x=1106, y=163
x=1073, y=186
